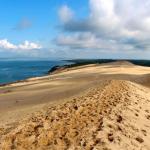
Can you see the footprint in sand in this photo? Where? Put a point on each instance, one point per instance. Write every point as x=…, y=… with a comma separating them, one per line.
x=147, y=111
x=148, y=117
x=119, y=119
x=110, y=137
x=144, y=132
x=139, y=139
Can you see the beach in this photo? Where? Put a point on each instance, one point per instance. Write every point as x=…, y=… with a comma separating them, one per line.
x=97, y=106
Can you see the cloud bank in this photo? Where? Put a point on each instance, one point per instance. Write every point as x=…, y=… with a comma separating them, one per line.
x=26, y=45
x=111, y=25
x=111, y=29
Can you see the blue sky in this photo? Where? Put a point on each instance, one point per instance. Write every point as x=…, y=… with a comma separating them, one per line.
x=75, y=29
x=41, y=14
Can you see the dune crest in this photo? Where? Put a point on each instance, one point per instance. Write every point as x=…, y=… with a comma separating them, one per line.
x=121, y=63
x=113, y=116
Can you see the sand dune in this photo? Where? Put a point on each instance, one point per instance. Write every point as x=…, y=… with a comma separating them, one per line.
x=91, y=107
x=114, y=115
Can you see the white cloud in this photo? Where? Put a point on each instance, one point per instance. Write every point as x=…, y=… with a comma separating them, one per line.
x=90, y=41
x=5, y=44
x=65, y=13
x=29, y=45
x=120, y=25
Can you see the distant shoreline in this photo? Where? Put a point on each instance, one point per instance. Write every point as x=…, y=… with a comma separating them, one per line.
x=77, y=63
x=21, y=71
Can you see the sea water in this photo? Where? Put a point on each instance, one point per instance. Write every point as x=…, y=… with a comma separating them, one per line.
x=11, y=71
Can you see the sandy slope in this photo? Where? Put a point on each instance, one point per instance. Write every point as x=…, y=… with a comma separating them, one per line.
x=114, y=115
x=20, y=99
x=91, y=107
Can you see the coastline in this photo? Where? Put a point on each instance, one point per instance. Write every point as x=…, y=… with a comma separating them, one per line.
x=76, y=63
x=60, y=68
x=15, y=71
x=88, y=88
x=50, y=72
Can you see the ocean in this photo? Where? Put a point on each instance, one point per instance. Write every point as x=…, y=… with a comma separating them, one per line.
x=11, y=71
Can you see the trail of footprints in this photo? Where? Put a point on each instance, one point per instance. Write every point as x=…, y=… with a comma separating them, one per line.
x=101, y=120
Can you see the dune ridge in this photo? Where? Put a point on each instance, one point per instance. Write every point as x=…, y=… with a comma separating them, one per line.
x=113, y=115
